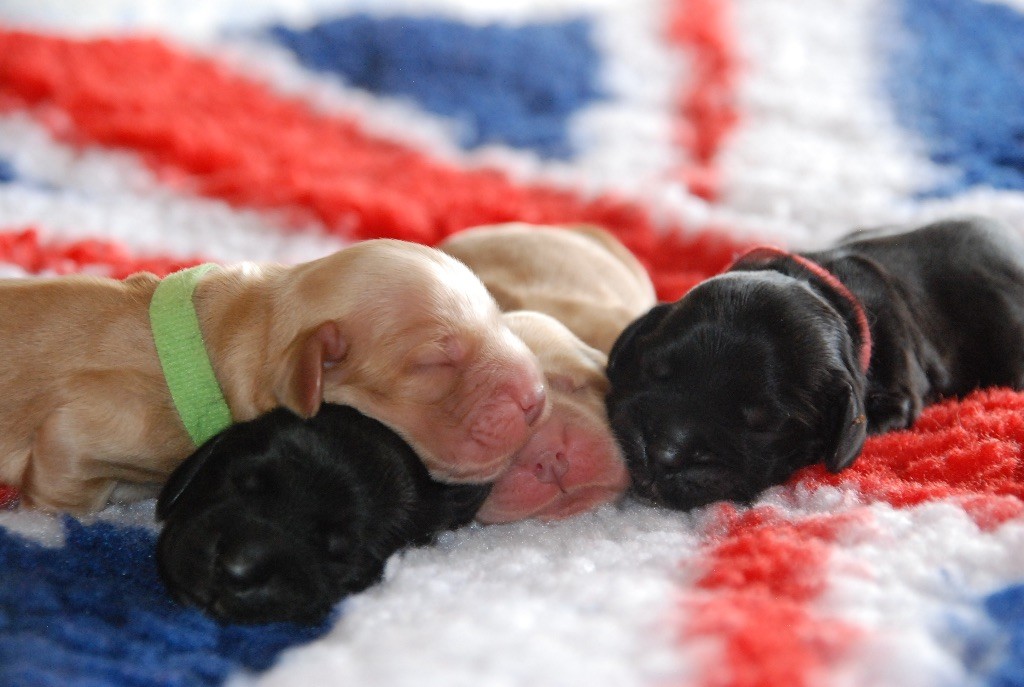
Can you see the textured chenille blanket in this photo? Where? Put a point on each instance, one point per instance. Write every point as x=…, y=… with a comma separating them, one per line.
x=157, y=134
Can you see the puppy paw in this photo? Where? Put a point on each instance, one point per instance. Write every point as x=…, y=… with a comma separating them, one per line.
x=892, y=410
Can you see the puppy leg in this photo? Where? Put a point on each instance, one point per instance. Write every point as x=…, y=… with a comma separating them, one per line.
x=57, y=477
x=900, y=379
x=97, y=439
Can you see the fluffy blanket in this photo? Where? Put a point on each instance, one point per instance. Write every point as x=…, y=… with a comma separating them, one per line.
x=153, y=135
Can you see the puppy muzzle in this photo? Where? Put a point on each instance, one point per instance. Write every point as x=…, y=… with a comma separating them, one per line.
x=245, y=573
x=670, y=464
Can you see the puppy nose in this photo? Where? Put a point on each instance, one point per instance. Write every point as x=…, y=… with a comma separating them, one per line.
x=550, y=467
x=246, y=564
x=532, y=402
x=669, y=449
x=665, y=454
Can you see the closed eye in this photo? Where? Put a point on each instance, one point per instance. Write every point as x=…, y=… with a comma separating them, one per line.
x=432, y=368
x=571, y=384
x=446, y=353
x=565, y=383
x=705, y=458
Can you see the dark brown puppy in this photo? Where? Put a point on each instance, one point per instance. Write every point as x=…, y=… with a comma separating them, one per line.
x=278, y=518
x=784, y=361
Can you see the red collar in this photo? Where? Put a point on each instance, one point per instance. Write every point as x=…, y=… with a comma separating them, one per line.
x=764, y=254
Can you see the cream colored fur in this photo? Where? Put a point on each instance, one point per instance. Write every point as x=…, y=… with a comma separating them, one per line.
x=398, y=330
x=571, y=292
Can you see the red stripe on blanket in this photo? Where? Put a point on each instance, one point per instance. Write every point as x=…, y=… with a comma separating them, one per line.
x=970, y=451
x=22, y=247
x=708, y=109
x=760, y=576
x=208, y=130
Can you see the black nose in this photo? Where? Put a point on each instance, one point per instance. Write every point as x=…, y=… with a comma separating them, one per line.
x=665, y=454
x=244, y=570
x=247, y=563
x=668, y=447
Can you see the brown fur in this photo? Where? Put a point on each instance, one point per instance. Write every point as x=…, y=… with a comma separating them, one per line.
x=397, y=330
x=573, y=291
x=582, y=275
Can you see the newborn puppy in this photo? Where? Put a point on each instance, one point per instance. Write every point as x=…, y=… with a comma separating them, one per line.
x=572, y=462
x=572, y=290
x=402, y=332
x=788, y=360
x=280, y=517
x=581, y=275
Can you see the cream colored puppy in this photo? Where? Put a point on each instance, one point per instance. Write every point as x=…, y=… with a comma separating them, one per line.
x=579, y=288
x=582, y=276
x=402, y=332
x=571, y=463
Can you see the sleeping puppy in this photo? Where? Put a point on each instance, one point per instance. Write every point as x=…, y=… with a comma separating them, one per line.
x=571, y=292
x=788, y=360
x=280, y=517
x=400, y=331
x=572, y=462
x=580, y=275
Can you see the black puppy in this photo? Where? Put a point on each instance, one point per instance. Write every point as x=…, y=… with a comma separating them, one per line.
x=278, y=518
x=787, y=360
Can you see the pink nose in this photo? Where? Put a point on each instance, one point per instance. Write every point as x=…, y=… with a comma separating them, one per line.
x=532, y=402
x=550, y=467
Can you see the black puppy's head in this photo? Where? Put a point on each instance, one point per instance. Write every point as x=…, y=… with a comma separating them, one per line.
x=278, y=518
x=729, y=390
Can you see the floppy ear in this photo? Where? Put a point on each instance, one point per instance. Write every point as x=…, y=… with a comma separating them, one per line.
x=183, y=476
x=300, y=388
x=846, y=428
x=599, y=359
x=638, y=327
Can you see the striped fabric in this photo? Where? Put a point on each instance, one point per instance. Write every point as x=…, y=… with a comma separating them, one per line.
x=157, y=135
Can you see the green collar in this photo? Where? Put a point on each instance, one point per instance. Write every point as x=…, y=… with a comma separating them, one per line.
x=187, y=369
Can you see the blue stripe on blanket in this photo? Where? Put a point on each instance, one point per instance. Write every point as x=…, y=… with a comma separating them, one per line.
x=956, y=77
x=515, y=85
x=95, y=613
x=7, y=172
x=1006, y=607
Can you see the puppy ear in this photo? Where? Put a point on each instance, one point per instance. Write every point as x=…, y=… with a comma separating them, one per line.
x=183, y=476
x=599, y=359
x=300, y=388
x=637, y=328
x=846, y=428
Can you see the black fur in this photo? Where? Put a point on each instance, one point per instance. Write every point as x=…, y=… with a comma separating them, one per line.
x=754, y=374
x=279, y=518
